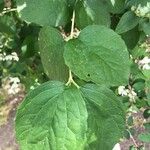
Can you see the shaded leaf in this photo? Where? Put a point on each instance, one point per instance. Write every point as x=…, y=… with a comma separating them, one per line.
x=146, y=113
x=51, y=45
x=91, y=12
x=131, y=37
x=7, y=25
x=45, y=12
x=127, y=22
x=117, y=6
x=71, y=3
x=1, y=5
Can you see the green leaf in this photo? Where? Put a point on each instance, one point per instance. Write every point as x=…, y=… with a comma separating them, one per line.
x=30, y=46
x=51, y=46
x=130, y=121
x=52, y=117
x=145, y=137
x=138, y=52
x=7, y=25
x=71, y=3
x=106, y=118
x=55, y=117
x=146, y=73
x=1, y=5
x=117, y=6
x=96, y=57
x=127, y=22
x=132, y=147
x=148, y=90
x=131, y=37
x=146, y=113
x=136, y=72
x=45, y=12
x=147, y=126
x=91, y=12
x=146, y=28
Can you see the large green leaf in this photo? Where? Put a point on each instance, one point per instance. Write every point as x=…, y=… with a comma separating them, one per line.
x=55, y=117
x=45, y=12
x=127, y=22
x=98, y=55
x=52, y=117
x=51, y=46
x=106, y=118
x=91, y=12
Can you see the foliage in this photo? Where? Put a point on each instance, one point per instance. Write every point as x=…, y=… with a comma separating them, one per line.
x=96, y=54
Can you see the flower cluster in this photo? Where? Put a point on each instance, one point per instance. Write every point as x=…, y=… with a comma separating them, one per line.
x=5, y=41
x=12, y=85
x=144, y=64
x=146, y=45
x=11, y=57
x=142, y=11
x=36, y=83
x=123, y=91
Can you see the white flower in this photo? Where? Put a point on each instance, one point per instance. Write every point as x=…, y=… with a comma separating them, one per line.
x=11, y=85
x=146, y=67
x=8, y=58
x=142, y=11
x=14, y=79
x=132, y=95
x=144, y=63
x=127, y=92
x=117, y=147
x=32, y=87
x=148, y=50
x=145, y=60
x=122, y=91
x=13, y=56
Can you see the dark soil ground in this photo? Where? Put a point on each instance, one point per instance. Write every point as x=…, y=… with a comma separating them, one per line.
x=7, y=134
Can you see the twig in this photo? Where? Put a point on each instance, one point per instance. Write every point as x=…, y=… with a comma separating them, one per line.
x=132, y=138
x=70, y=80
x=7, y=11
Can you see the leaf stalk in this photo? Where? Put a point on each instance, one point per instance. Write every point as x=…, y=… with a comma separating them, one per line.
x=70, y=80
